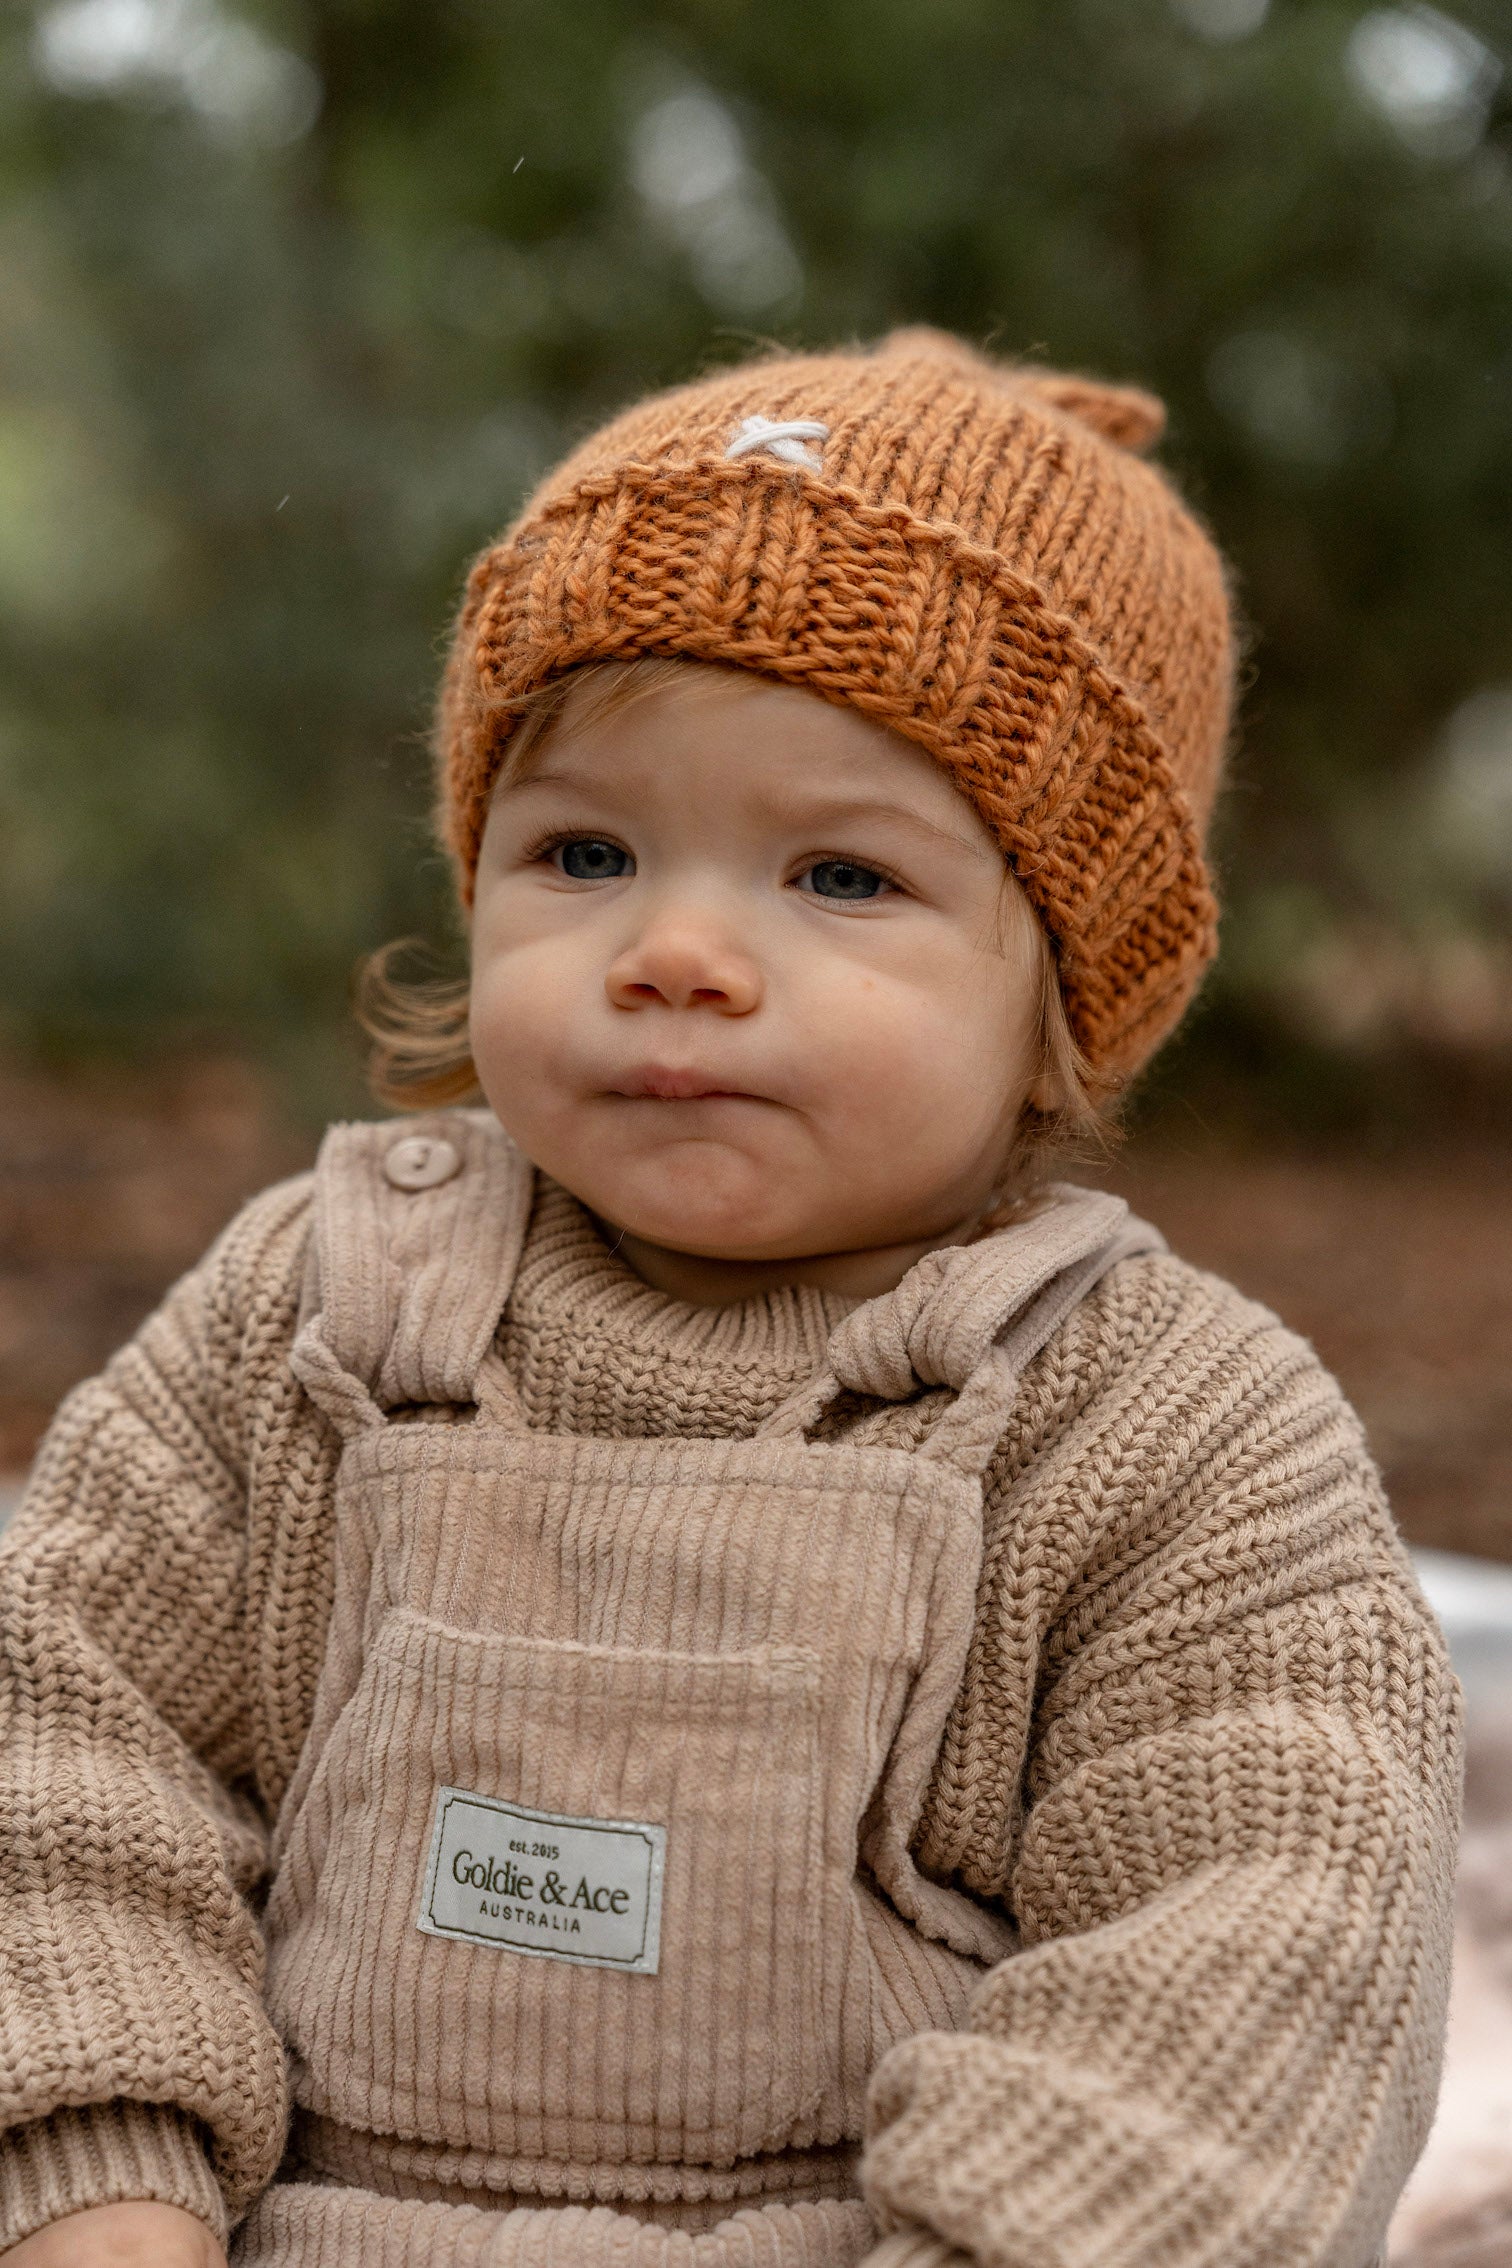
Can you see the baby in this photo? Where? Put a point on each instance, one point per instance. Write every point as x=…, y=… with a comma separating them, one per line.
x=698, y=1665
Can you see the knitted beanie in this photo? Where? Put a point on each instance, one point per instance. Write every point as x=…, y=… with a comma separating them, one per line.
x=974, y=555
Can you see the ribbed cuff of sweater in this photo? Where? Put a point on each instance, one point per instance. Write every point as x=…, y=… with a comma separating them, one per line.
x=104, y=2154
x=915, y=2248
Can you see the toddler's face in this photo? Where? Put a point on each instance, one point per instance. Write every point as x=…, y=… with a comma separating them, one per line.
x=749, y=978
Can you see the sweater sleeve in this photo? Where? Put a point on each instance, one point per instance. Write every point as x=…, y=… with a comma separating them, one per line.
x=136, y=2060
x=1219, y=2044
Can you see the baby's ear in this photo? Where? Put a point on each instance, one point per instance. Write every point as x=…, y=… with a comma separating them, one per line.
x=1047, y=1095
x=1125, y=414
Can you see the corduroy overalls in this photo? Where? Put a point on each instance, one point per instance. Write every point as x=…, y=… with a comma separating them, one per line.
x=594, y=1896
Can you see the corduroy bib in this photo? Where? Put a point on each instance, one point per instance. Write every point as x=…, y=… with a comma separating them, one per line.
x=594, y=1896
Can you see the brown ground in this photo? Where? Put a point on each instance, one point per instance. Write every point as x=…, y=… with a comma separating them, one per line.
x=1400, y=1272
x=109, y=1188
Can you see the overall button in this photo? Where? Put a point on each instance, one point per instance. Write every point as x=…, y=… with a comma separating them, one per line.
x=420, y=1161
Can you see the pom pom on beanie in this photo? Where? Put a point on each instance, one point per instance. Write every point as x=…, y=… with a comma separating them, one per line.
x=974, y=554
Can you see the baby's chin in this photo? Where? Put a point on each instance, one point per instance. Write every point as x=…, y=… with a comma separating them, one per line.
x=743, y=1202
x=765, y=1238
x=714, y=1230
x=731, y=1214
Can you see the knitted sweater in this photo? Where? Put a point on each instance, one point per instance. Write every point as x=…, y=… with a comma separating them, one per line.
x=1204, y=1758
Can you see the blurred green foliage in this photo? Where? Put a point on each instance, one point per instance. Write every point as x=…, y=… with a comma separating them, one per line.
x=297, y=298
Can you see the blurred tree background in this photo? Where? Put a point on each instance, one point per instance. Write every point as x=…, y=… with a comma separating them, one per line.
x=297, y=297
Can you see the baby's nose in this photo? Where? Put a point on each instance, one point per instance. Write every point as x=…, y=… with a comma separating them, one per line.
x=685, y=963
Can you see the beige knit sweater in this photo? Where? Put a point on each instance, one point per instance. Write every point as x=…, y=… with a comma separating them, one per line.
x=1204, y=1759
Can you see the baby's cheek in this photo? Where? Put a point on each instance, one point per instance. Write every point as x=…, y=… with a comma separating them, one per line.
x=938, y=1044
x=955, y=1087
x=488, y=1023
x=897, y=1078
x=510, y=1026
x=518, y=999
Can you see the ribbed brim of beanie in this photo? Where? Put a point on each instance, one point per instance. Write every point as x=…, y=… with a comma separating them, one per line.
x=974, y=555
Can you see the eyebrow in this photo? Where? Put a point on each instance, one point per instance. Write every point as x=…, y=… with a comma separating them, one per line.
x=845, y=810
x=826, y=811
x=541, y=776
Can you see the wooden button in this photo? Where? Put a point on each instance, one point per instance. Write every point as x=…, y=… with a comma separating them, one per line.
x=421, y=1161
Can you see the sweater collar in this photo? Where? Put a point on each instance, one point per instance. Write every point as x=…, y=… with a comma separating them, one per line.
x=568, y=1276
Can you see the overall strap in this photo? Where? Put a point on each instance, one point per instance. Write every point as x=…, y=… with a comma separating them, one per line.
x=417, y=1232
x=971, y=1428
x=973, y=1317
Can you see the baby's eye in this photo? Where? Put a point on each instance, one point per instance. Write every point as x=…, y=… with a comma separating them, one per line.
x=589, y=858
x=842, y=878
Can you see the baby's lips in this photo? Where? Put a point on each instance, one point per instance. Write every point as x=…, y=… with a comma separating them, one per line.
x=659, y=1082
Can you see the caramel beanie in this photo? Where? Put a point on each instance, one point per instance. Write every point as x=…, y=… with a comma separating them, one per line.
x=972, y=554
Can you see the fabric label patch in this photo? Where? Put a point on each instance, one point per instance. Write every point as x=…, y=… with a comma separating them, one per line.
x=586, y=1890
